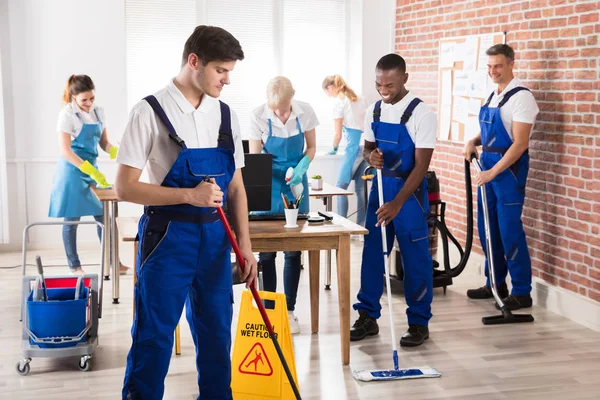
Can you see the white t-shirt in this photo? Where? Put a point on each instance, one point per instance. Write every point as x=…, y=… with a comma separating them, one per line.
x=521, y=107
x=71, y=118
x=422, y=125
x=353, y=114
x=146, y=143
x=259, y=127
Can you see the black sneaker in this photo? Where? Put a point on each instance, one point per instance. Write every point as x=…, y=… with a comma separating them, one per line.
x=415, y=336
x=513, y=302
x=363, y=327
x=485, y=292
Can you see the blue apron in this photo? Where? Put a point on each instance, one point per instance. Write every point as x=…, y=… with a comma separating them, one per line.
x=505, y=196
x=184, y=258
x=349, y=163
x=71, y=195
x=287, y=152
x=409, y=226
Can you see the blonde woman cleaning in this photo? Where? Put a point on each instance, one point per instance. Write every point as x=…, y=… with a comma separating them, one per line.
x=348, y=117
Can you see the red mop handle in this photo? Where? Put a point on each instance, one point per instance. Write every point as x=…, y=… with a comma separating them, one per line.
x=241, y=261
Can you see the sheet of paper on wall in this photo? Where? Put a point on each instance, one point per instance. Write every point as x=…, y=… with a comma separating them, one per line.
x=446, y=87
x=485, y=42
x=472, y=127
x=474, y=106
x=478, y=81
x=445, y=119
x=455, y=133
x=461, y=85
x=470, y=53
x=461, y=109
x=447, y=54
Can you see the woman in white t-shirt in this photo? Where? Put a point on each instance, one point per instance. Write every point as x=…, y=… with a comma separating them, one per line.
x=285, y=128
x=348, y=116
x=81, y=128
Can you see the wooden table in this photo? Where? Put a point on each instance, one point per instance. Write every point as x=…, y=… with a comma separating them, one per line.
x=327, y=194
x=272, y=236
x=109, y=200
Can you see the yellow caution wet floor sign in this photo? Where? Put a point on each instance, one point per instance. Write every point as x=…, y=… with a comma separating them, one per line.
x=257, y=372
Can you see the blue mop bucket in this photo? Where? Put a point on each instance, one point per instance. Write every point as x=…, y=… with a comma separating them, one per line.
x=62, y=320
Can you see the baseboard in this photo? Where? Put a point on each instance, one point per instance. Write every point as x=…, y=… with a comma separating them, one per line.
x=567, y=304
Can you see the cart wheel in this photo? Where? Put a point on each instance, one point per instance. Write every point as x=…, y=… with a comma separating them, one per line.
x=24, y=370
x=85, y=364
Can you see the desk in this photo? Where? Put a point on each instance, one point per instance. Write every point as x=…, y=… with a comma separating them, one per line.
x=327, y=194
x=335, y=235
x=109, y=201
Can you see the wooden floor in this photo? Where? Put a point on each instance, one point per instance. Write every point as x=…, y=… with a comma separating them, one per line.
x=552, y=358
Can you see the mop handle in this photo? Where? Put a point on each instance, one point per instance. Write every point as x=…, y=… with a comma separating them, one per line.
x=387, y=270
x=261, y=307
x=38, y=261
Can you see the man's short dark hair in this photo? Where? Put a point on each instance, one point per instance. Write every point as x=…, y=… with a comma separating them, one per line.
x=390, y=62
x=503, y=49
x=211, y=43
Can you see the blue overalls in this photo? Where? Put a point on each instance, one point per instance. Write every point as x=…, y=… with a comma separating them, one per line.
x=71, y=195
x=353, y=166
x=409, y=226
x=184, y=257
x=287, y=152
x=505, y=197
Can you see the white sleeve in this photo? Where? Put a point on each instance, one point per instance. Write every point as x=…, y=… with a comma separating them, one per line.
x=338, y=109
x=65, y=122
x=255, y=132
x=102, y=116
x=525, y=108
x=426, y=131
x=138, y=137
x=238, y=154
x=311, y=121
x=368, y=134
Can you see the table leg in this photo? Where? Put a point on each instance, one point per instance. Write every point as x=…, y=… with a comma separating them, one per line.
x=313, y=277
x=328, y=200
x=115, y=251
x=106, y=240
x=343, y=276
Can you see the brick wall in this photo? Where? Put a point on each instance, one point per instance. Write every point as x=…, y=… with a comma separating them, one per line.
x=557, y=57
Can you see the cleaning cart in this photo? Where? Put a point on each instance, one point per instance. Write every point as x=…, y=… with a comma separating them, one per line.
x=59, y=314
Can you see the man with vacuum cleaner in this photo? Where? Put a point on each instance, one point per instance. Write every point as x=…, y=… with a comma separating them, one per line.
x=400, y=135
x=506, y=122
x=191, y=146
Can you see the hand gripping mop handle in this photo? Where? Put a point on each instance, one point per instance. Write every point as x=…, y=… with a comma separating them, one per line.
x=259, y=303
x=387, y=270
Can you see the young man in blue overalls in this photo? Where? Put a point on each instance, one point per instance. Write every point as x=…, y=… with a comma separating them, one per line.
x=400, y=134
x=506, y=121
x=190, y=144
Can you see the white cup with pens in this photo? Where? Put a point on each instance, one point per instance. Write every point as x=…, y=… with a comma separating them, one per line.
x=291, y=211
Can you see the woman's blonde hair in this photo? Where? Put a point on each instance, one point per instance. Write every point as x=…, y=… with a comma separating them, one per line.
x=279, y=89
x=340, y=88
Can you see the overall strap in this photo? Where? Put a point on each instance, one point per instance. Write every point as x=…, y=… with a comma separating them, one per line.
x=298, y=125
x=510, y=94
x=487, y=103
x=377, y=111
x=409, y=110
x=165, y=120
x=225, y=133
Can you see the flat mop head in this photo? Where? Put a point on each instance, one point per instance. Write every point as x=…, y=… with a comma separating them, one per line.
x=396, y=374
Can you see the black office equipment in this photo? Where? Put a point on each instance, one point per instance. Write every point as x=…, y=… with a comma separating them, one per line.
x=257, y=174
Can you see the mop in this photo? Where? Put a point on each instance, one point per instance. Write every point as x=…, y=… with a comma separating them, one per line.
x=396, y=373
x=507, y=317
x=259, y=303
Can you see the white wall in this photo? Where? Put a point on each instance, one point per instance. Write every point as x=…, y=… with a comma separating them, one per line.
x=43, y=42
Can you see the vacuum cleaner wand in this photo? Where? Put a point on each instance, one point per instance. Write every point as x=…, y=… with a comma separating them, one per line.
x=507, y=316
x=259, y=303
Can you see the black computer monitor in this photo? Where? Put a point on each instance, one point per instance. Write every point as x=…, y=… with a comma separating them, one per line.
x=257, y=174
x=246, y=146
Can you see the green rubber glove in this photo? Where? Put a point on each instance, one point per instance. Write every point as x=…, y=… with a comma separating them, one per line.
x=96, y=175
x=299, y=171
x=332, y=151
x=113, y=152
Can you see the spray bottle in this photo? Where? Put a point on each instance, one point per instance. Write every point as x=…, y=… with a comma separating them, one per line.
x=296, y=189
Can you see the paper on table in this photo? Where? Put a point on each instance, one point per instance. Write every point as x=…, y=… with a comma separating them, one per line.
x=447, y=87
x=455, y=131
x=474, y=106
x=470, y=53
x=461, y=86
x=445, y=119
x=447, y=54
x=461, y=109
x=472, y=127
x=485, y=42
